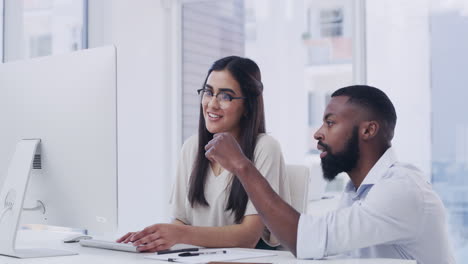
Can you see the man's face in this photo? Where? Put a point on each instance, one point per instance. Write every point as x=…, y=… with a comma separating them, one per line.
x=338, y=137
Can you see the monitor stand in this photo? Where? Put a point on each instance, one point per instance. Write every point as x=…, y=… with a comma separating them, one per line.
x=11, y=203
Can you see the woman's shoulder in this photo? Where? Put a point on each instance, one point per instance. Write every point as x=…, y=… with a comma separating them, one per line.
x=191, y=142
x=267, y=142
x=189, y=148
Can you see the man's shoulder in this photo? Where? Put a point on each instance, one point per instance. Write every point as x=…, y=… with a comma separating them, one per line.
x=403, y=182
x=400, y=171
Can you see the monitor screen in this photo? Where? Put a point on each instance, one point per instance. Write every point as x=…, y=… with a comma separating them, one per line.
x=69, y=102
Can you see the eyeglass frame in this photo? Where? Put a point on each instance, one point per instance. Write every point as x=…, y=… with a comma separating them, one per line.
x=199, y=91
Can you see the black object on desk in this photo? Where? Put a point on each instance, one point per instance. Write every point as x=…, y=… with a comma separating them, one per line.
x=190, y=254
x=168, y=251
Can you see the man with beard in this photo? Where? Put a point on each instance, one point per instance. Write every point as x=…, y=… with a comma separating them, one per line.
x=388, y=209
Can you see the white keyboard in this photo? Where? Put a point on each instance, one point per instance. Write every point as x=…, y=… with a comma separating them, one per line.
x=108, y=245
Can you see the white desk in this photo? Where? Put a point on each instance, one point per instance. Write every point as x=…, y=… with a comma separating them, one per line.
x=102, y=256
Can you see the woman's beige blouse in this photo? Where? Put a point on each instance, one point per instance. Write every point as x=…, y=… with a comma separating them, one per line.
x=268, y=159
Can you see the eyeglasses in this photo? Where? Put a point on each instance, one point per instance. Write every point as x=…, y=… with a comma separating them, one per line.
x=223, y=98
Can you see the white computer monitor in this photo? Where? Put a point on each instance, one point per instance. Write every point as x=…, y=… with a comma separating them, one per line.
x=66, y=105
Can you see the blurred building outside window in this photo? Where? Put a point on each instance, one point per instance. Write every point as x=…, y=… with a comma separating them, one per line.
x=449, y=61
x=328, y=39
x=49, y=27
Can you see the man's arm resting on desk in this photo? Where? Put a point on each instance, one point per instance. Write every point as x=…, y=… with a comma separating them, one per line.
x=278, y=216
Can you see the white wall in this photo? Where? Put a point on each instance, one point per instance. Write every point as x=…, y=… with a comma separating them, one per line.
x=398, y=62
x=141, y=32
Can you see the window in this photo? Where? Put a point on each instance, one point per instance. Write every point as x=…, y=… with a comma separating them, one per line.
x=329, y=32
x=210, y=30
x=449, y=60
x=46, y=27
x=331, y=22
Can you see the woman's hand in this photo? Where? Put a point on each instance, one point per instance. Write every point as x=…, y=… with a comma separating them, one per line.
x=157, y=237
x=126, y=238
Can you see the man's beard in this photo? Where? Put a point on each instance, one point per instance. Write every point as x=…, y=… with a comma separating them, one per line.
x=345, y=161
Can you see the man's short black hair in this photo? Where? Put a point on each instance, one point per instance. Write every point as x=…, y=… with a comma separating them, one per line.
x=375, y=101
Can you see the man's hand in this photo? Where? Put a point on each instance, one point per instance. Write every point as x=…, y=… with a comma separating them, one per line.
x=281, y=218
x=157, y=237
x=225, y=150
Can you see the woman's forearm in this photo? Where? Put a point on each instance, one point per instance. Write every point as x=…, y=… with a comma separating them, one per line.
x=240, y=235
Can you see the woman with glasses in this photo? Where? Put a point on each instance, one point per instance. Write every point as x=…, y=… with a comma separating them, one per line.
x=210, y=206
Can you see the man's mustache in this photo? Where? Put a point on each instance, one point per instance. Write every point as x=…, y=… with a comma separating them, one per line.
x=325, y=146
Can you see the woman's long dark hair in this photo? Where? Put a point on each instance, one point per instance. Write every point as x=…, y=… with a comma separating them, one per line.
x=247, y=74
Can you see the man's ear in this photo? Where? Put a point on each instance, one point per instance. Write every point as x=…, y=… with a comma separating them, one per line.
x=369, y=130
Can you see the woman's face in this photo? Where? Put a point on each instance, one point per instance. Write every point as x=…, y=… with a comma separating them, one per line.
x=222, y=115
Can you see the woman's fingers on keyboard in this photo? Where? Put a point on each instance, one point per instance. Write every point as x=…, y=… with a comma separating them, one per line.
x=123, y=238
x=156, y=245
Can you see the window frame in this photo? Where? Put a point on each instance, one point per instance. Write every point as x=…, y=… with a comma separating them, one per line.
x=12, y=29
x=2, y=28
x=84, y=35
